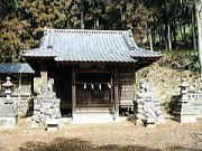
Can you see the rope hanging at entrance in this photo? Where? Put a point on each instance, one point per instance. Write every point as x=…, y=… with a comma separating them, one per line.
x=84, y=86
x=109, y=85
x=100, y=86
x=93, y=85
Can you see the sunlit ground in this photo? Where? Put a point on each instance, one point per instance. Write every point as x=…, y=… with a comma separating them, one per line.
x=104, y=137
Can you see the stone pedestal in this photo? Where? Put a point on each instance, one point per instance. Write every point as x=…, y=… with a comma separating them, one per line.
x=189, y=105
x=187, y=114
x=149, y=110
x=8, y=113
x=47, y=107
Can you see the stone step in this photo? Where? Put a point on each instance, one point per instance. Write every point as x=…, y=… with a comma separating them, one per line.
x=93, y=118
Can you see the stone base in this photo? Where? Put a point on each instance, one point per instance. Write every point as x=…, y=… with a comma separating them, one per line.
x=8, y=121
x=152, y=125
x=52, y=125
x=139, y=122
x=188, y=119
x=80, y=118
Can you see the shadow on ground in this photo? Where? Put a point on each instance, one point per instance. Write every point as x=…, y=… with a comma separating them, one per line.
x=3, y=149
x=63, y=144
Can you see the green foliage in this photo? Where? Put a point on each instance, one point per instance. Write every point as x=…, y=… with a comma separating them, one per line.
x=23, y=21
x=8, y=6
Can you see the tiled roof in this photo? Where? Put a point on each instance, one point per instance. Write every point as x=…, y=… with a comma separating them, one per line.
x=16, y=68
x=144, y=53
x=88, y=46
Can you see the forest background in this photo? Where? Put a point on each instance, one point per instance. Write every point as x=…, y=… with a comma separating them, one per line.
x=169, y=26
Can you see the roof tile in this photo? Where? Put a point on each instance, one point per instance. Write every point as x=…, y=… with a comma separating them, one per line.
x=89, y=45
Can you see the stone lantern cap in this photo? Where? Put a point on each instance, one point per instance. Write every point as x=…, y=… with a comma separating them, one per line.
x=184, y=84
x=184, y=87
x=8, y=83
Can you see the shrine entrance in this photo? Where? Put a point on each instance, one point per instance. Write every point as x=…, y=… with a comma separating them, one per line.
x=87, y=93
x=94, y=92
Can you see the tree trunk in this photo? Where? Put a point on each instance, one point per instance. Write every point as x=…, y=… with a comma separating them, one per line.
x=96, y=23
x=150, y=40
x=198, y=5
x=181, y=32
x=168, y=37
x=174, y=34
x=193, y=29
x=184, y=32
x=154, y=36
x=82, y=20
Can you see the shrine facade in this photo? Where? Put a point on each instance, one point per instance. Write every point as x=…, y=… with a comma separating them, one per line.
x=93, y=71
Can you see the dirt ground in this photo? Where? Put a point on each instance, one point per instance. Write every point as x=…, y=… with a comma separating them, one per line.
x=112, y=136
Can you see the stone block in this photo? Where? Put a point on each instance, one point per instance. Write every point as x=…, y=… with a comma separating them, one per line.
x=188, y=118
x=51, y=124
x=8, y=121
x=82, y=118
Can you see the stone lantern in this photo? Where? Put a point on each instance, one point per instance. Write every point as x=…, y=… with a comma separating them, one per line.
x=184, y=88
x=8, y=110
x=8, y=85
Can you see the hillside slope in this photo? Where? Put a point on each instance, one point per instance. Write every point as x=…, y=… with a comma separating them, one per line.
x=165, y=81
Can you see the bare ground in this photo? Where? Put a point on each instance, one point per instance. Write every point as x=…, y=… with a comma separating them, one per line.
x=114, y=136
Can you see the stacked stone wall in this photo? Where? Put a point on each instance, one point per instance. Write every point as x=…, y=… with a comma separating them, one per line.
x=47, y=107
x=149, y=108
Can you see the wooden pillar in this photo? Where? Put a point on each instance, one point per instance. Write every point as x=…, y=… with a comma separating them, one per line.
x=116, y=93
x=73, y=90
x=111, y=89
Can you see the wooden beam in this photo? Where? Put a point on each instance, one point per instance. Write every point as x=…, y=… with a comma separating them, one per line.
x=73, y=90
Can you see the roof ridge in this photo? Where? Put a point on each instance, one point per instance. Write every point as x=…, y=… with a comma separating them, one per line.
x=84, y=31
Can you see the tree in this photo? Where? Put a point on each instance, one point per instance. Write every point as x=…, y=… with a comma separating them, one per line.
x=155, y=23
x=198, y=5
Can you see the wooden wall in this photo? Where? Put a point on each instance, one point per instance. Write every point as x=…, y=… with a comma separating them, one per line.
x=126, y=88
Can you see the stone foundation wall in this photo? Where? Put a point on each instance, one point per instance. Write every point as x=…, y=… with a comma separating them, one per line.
x=127, y=89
